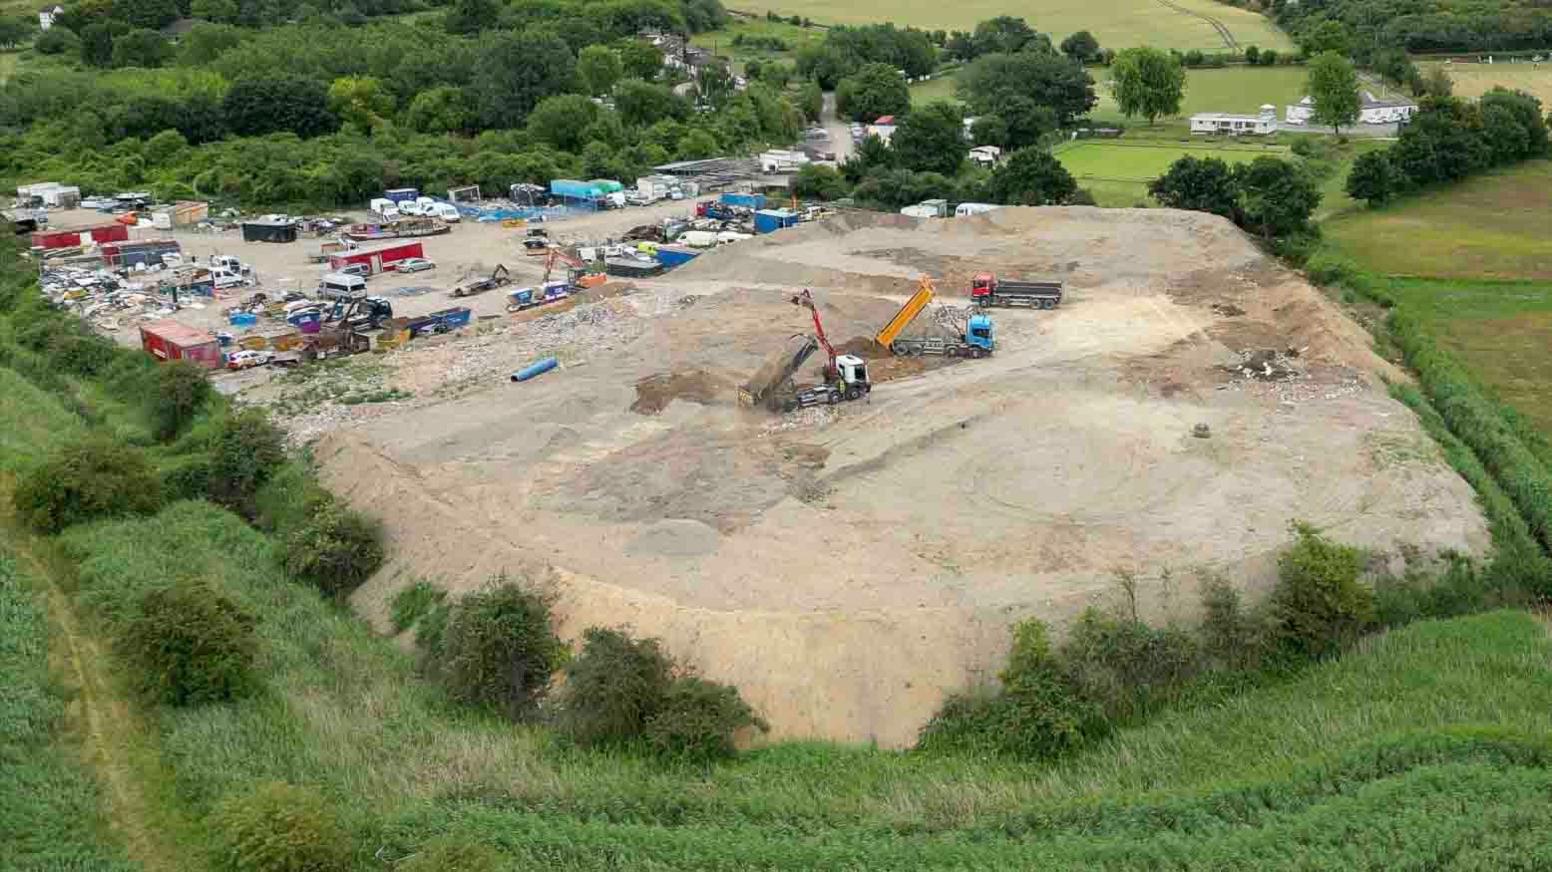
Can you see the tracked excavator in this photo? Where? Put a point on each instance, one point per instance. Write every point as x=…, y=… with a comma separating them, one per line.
x=772, y=386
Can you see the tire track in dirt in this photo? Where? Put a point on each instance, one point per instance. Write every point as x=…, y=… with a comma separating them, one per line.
x=103, y=719
x=1223, y=31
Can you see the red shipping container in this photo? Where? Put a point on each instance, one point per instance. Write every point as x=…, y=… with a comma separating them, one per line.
x=72, y=237
x=169, y=340
x=378, y=259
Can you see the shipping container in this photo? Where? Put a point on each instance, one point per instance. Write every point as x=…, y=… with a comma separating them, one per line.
x=71, y=237
x=748, y=201
x=769, y=220
x=671, y=256
x=268, y=231
x=575, y=190
x=378, y=259
x=170, y=340
x=400, y=195
x=607, y=186
x=127, y=255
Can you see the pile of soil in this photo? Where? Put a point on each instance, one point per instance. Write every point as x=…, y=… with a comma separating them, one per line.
x=655, y=392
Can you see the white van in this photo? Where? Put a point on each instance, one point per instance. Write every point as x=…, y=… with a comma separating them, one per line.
x=383, y=205
x=334, y=286
x=409, y=207
x=225, y=278
x=446, y=211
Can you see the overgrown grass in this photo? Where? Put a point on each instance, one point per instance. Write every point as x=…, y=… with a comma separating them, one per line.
x=345, y=712
x=50, y=807
x=35, y=423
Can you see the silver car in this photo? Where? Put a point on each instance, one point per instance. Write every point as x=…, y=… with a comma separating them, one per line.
x=415, y=264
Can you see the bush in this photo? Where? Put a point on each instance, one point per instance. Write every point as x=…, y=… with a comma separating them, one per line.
x=1231, y=637
x=613, y=687
x=288, y=498
x=1319, y=604
x=57, y=40
x=697, y=719
x=413, y=603
x=1324, y=268
x=337, y=549
x=248, y=450
x=279, y=827
x=446, y=854
x=94, y=478
x=499, y=650
x=1126, y=667
x=1039, y=712
x=181, y=389
x=186, y=478
x=189, y=644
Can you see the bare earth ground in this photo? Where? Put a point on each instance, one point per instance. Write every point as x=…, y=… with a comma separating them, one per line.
x=846, y=567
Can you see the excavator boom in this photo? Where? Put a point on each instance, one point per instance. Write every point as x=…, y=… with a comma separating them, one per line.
x=806, y=300
x=903, y=318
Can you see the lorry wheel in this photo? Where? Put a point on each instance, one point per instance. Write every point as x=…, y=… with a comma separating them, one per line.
x=978, y=353
x=852, y=393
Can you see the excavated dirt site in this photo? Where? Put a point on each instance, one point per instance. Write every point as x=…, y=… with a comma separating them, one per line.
x=847, y=566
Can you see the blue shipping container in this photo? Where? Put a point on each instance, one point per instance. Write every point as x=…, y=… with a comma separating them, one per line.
x=748, y=201
x=399, y=195
x=768, y=220
x=672, y=256
x=575, y=189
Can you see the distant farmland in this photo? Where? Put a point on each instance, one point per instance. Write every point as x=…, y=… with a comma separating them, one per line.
x=1474, y=80
x=1182, y=24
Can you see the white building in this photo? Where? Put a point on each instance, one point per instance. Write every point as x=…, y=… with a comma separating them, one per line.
x=47, y=14
x=985, y=155
x=782, y=161
x=1371, y=110
x=1261, y=123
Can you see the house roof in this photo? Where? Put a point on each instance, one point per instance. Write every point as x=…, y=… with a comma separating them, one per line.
x=885, y=121
x=1225, y=116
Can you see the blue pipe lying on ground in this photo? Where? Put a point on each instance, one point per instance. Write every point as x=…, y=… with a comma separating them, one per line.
x=538, y=367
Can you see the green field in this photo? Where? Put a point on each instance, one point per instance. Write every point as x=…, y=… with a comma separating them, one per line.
x=1474, y=80
x=1116, y=24
x=1493, y=226
x=938, y=88
x=1117, y=172
x=1230, y=89
x=721, y=41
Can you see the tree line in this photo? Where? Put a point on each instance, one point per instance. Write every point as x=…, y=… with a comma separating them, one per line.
x=1368, y=27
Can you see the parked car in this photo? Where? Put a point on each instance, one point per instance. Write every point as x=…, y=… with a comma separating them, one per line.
x=358, y=269
x=245, y=359
x=415, y=264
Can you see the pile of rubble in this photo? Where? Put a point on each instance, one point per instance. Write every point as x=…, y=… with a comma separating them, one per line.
x=1266, y=364
x=101, y=298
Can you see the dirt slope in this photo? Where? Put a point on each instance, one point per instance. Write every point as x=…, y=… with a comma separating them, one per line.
x=846, y=567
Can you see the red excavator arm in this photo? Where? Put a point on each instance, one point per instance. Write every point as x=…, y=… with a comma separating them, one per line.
x=806, y=300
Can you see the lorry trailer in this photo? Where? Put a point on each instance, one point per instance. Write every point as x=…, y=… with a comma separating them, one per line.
x=978, y=340
x=987, y=290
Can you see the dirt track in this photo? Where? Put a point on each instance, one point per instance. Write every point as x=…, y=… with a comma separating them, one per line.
x=846, y=567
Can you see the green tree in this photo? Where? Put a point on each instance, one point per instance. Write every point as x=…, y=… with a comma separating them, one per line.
x=613, y=686
x=600, y=67
x=1513, y=124
x=989, y=130
x=1006, y=34
x=1252, y=55
x=14, y=30
x=514, y=71
x=439, y=110
x=1034, y=79
x=697, y=720
x=874, y=91
x=259, y=106
x=714, y=86
x=820, y=182
x=472, y=16
x=336, y=550
x=141, y=48
x=58, y=40
x=218, y=11
x=563, y=121
x=811, y=101
x=1031, y=177
x=1320, y=605
x=1147, y=82
x=97, y=42
x=360, y=100
x=205, y=42
x=147, y=14
x=931, y=139
x=1198, y=184
x=698, y=144
x=1327, y=36
x=1277, y=197
x=639, y=60
x=1374, y=178
x=247, y=452
x=1333, y=89
x=1081, y=47
x=641, y=103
